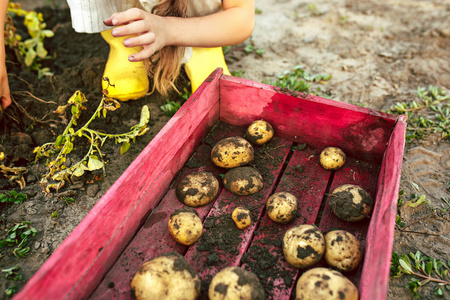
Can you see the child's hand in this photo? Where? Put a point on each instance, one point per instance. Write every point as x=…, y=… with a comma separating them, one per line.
x=149, y=28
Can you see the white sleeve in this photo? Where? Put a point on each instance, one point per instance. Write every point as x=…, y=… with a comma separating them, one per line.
x=88, y=15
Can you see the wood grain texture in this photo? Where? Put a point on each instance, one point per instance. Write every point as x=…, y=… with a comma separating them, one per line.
x=268, y=161
x=361, y=132
x=74, y=270
x=307, y=181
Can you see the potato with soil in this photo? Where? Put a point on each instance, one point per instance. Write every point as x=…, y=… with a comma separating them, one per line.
x=197, y=189
x=282, y=207
x=168, y=276
x=303, y=246
x=351, y=203
x=325, y=284
x=241, y=216
x=342, y=250
x=185, y=226
x=235, y=283
x=232, y=152
x=332, y=158
x=243, y=181
x=259, y=132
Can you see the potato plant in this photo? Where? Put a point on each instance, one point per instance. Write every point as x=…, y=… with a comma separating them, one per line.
x=57, y=172
x=32, y=50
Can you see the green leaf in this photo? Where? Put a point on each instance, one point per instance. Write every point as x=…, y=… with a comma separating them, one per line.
x=75, y=110
x=94, y=164
x=59, y=140
x=124, y=148
x=428, y=267
x=47, y=33
x=405, y=265
x=40, y=50
x=145, y=116
x=29, y=57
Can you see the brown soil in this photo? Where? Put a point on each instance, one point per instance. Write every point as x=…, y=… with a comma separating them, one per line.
x=378, y=52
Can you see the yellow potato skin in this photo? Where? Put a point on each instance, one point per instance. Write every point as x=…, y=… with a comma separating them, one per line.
x=234, y=283
x=342, y=250
x=197, y=189
x=243, y=181
x=282, y=207
x=241, y=216
x=332, y=158
x=351, y=203
x=232, y=152
x=259, y=132
x=303, y=246
x=185, y=226
x=323, y=283
x=166, y=277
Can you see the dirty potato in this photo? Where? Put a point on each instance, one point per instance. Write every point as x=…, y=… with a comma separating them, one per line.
x=342, y=250
x=185, y=226
x=241, y=216
x=303, y=245
x=232, y=152
x=197, y=189
x=243, y=181
x=259, y=132
x=323, y=283
x=332, y=158
x=282, y=207
x=235, y=283
x=351, y=203
x=166, y=277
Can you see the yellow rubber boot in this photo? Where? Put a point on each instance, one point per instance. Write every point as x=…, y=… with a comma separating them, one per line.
x=129, y=79
x=202, y=63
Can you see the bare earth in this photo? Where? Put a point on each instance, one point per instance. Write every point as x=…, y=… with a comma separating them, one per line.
x=378, y=53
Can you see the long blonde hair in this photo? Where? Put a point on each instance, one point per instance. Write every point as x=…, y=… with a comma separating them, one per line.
x=165, y=65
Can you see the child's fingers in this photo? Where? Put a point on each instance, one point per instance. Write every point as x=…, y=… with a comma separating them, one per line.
x=138, y=27
x=121, y=18
x=141, y=40
x=144, y=54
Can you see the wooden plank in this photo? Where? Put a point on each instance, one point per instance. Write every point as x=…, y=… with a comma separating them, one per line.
x=222, y=243
x=361, y=132
x=364, y=174
x=380, y=236
x=74, y=270
x=154, y=238
x=307, y=180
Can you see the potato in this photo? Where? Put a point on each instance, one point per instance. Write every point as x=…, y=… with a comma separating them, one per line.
x=259, y=132
x=282, y=207
x=342, y=250
x=351, y=203
x=303, y=245
x=241, y=216
x=185, y=226
x=168, y=276
x=325, y=284
x=243, y=181
x=197, y=189
x=332, y=158
x=235, y=283
x=232, y=152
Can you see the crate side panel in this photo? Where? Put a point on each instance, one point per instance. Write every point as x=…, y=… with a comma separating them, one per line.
x=222, y=243
x=380, y=237
x=77, y=266
x=307, y=180
x=154, y=238
x=362, y=133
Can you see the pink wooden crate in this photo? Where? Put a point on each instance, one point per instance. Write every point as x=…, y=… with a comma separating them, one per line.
x=129, y=223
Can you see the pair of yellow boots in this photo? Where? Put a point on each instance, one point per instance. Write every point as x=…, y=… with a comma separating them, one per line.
x=129, y=79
